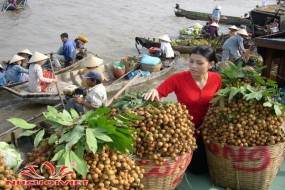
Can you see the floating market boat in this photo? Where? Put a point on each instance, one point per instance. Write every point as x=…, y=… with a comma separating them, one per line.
x=10, y=5
x=71, y=77
x=193, y=15
x=183, y=46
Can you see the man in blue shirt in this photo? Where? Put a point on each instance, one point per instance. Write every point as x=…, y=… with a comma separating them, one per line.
x=66, y=53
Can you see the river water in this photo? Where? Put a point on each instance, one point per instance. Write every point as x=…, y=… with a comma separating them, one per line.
x=111, y=27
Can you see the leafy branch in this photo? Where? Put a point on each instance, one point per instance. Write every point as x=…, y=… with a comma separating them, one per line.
x=75, y=134
x=248, y=92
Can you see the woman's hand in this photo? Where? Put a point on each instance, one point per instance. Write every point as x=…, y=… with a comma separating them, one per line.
x=151, y=94
x=54, y=80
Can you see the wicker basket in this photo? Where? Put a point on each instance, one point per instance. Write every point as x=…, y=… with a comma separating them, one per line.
x=129, y=62
x=151, y=68
x=246, y=168
x=165, y=176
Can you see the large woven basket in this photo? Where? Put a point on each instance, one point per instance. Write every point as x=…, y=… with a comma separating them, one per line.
x=129, y=62
x=151, y=68
x=246, y=168
x=165, y=176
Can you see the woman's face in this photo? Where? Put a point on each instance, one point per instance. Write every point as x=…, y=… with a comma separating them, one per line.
x=199, y=65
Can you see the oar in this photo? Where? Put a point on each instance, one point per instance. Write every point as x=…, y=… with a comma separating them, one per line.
x=122, y=90
x=61, y=100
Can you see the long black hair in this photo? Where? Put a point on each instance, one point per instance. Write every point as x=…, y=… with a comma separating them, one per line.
x=205, y=51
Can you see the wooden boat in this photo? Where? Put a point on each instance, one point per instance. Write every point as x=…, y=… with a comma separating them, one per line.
x=193, y=15
x=183, y=46
x=9, y=6
x=77, y=65
x=72, y=77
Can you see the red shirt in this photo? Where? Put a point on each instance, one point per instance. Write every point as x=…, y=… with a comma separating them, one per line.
x=188, y=92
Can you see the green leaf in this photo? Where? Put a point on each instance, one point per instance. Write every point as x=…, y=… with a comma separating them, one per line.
x=91, y=140
x=277, y=110
x=79, y=151
x=267, y=104
x=80, y=165
x=58, y=148
x=21, y=123
x=101, y=135
x=74, y=114
x=67, y=159
x=101, y=121
x=39, y=137
x=76, y=134
x=52, y=110
x=102, y=111
x=28, y=132
x=233, y=92
x=52, y=139
x=64, y=137
x=58, y=155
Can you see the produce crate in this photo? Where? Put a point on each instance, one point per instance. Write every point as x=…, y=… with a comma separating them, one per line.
x=246, y=168
x=165, y=176
x=129, y=62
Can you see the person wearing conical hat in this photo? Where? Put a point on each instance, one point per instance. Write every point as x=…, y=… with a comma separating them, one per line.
x=165, y=47
x=82, y=51
x=3, y=81
x=233, y=30
x=233, y=47
x=216, y=14
x=92, y=63
x=36, y=72
x=212, y=30
x=27, y=54
x=14, y=71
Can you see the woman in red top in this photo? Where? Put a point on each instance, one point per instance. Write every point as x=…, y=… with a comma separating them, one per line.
x=195, y=88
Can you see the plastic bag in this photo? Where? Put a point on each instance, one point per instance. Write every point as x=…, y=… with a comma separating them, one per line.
x=11, y=156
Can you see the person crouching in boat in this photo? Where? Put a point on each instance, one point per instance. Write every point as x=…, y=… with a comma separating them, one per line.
x=96, y=95
x=165, y=47
x=79, y=43
x=212, y=30
x=3, y=81
x=233, y=47
x=14, y=71
x=91, y=64
x=36, y=73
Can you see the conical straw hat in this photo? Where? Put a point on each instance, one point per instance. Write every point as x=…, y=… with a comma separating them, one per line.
x=93, y=62
x=164, y=38
x=233, y=27
x=218, y=7
x=38, y=57
x=16, y=58
x=242, y=32
x=214, y=24
x=26, y=51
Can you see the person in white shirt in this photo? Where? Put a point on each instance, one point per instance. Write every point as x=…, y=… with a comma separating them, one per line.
x=96, y=94
x=165, y=47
